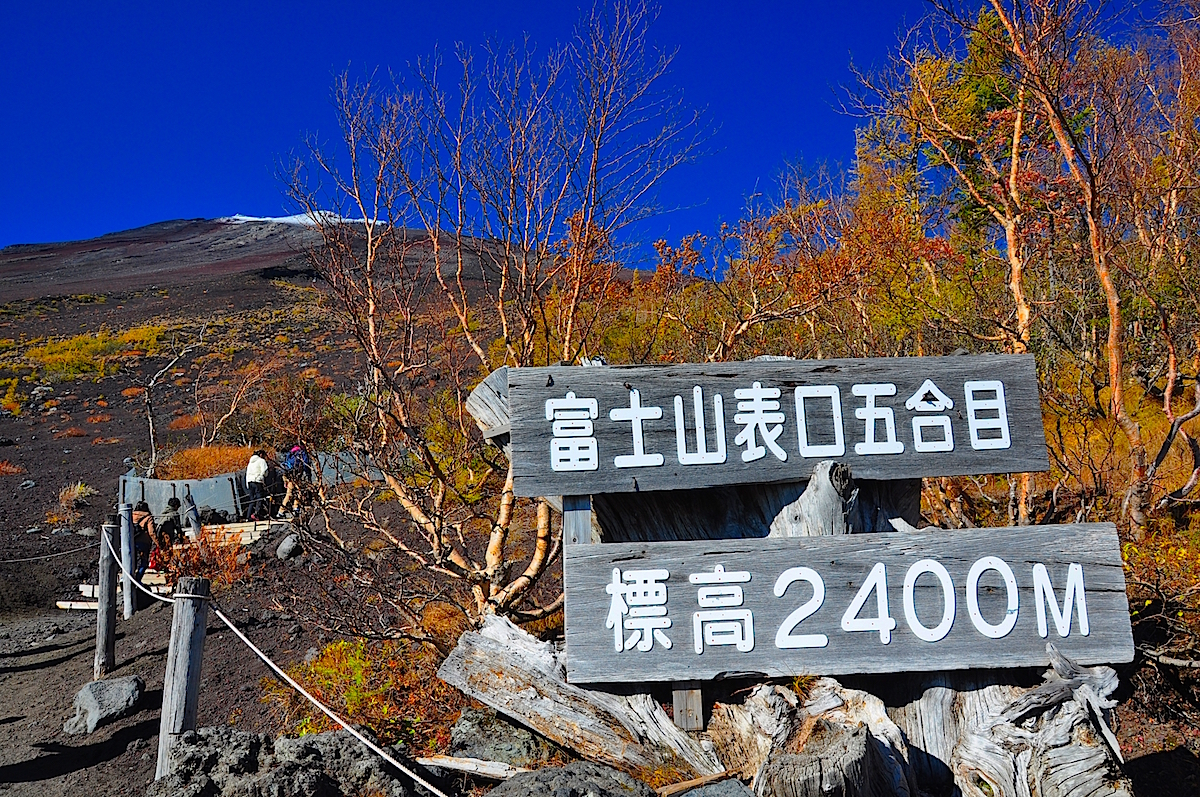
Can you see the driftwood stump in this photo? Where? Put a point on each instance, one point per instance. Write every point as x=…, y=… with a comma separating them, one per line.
x=523, y=678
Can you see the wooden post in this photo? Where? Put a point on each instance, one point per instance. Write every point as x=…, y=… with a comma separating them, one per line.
x=127, y=558
x=577, y=519
x=106, y=596
x=688, y=703
x=181, y=686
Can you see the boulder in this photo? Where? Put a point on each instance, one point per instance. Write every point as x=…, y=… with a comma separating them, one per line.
x=577, y=779
x=224, y=762
x=101, y=702
x=731, y=787
x=485, y=734
x=288, y=547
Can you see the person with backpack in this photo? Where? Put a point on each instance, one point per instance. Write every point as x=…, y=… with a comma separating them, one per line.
x=297, y=471
x=256, y=477
x=144, y=538
x=171, y=527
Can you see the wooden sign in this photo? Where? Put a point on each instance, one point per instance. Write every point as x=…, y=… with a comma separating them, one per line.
x=870, y=603
x=577, y=431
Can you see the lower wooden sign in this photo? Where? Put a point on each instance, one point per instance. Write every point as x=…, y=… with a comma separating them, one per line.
x=872, y=603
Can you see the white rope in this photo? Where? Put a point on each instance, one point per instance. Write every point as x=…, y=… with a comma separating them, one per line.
x=293, y=683
x=47, y=556
x=130, y=577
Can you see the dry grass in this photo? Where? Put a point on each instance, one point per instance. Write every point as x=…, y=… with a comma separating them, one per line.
x=9, y=469
x=71, y=431
x=445, y=621
x=203, y=462
x=71, y=499
x=93, y=354
x=184, y=422
x=106, y=441
x=132, y=392
x=101, y=418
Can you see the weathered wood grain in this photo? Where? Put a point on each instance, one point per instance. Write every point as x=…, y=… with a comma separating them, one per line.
x=127, y=559
x=844, y=563
x=106, y=614
x=838, y=761
x=488, y=405
x=522, y=678
x=185, y=655
x=531, y=433
x=1018, y=746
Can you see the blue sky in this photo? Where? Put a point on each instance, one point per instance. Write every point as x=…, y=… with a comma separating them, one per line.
x=116, y=115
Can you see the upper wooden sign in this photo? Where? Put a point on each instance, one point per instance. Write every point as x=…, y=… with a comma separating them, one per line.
x=578, y=431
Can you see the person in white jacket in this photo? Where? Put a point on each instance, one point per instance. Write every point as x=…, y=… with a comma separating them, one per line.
x=256, y=476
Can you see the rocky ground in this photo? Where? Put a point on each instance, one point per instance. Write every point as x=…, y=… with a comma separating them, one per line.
x=46, y=654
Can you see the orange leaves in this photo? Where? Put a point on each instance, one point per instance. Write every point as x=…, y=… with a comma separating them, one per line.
x=203, y=462
x=210, y=555
x=100, y=418
x=9, y=469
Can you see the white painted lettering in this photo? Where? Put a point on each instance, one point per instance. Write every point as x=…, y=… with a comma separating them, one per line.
x=870, y=414
x=882, y=622
x=910, y=610
x=838, y=447
x=636, y=413
x=1001, y=629
x=702, y=455
x=784, y=638
x=1075, y=597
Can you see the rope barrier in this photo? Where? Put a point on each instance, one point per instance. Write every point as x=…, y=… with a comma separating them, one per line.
x=132, y=578
x=379, y=751
x=327, y=712
x=47, y=556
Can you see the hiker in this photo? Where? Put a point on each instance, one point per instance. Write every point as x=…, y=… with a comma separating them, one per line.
x=144, y=536
x=256, y=476
x=297, y=471
x=170, y=526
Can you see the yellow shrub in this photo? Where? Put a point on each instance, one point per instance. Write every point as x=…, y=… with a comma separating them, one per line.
x=93, y=354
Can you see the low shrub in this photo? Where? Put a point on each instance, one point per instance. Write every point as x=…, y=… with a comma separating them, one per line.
x=71, y=499
x=390, y=687
x=184, y=422
x=102, y=417
x=93, y=354
x=203, y=462
x=210, y=555
x=11, y=401
x=9, y=469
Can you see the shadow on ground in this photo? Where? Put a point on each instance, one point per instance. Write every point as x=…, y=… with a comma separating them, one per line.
x=1170, y=772
x=56, y=760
